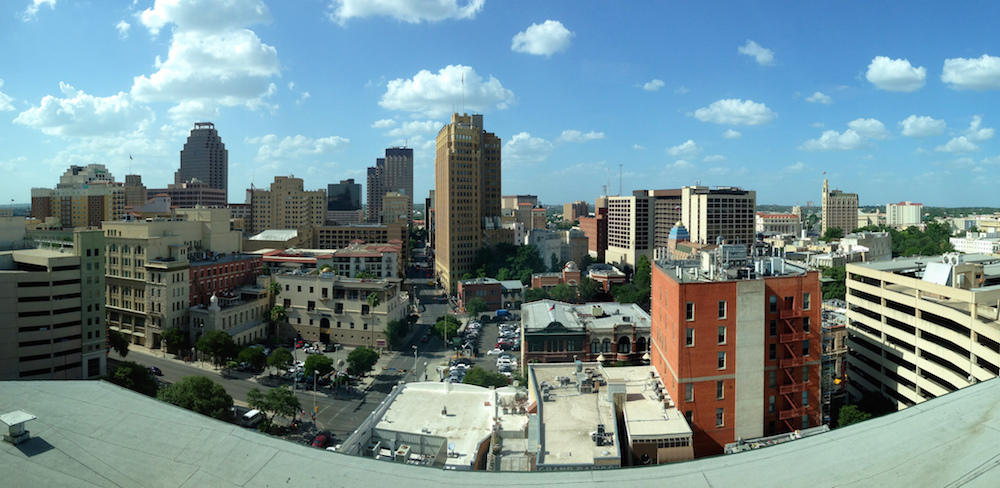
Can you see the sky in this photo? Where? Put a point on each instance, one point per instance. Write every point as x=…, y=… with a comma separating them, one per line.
x=893, y=101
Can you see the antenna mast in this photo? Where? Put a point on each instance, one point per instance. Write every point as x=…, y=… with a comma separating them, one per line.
x=463, y=93
x=620, y=179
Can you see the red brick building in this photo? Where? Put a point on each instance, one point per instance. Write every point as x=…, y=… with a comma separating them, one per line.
x=570, y=275
x=488, y=289
x=218, y=274
x=596, y=230
x=740, y=355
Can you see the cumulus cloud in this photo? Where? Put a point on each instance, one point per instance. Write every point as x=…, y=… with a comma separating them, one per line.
x=411, y=11
x=977, y=134
x=384, y=124
x=522, y=149
x=870, y=128
x=832, y=140
x=764, y=56
x=732, y=134
x=922, y=126
x=202, y=17
x=686, y=150
x=714, y=158
x=295, y=147
x=577, y=136
x=5, y=100
x=972, y=74
x=543, y=39
x=682, y=90
x=409, y=129
x=958, y=144
x=682, y=164
x=80, y=114
x=32, y=10
x=736, y=112
x=123, y=27
x=819, y=97
x=796, y=168
x=434, y=95
x=638, y=147
x=895, y=74
x=653, y=85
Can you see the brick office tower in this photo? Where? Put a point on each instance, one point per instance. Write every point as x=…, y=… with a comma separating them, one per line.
x=738, y=348
x=204, y=157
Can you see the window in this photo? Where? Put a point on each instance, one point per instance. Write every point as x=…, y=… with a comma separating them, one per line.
x=719, y=417
x=720, y=390
x=690, y=311
x=722, y=360
x=772, y=352
x=689, y=337
x=287, y=304
x=805, y=324
x=773, y=328
x=311, y=289
x=722, y=335
x=805, y=399
x=299, y=289
x=352, y=325
x=806, y=301
x=286, y=287
x=805, y=348
x=688, y=392
x=770, y=404
x=805, y=421
x=805, y=374
x=338, y=324
x=722, y=309
x=772, y=379
x=773, y=301
x=310, y=305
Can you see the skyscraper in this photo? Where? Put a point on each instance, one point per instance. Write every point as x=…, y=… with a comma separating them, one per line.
x=343, y=203
x=393, y=173
x=467, y=193
x=205, y=158
x=840, y=210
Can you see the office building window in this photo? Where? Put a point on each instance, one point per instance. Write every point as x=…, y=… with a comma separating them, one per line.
x=690, y=311
x=720, y=390
x=722, y=309
x=689, y=337
x=689, y=392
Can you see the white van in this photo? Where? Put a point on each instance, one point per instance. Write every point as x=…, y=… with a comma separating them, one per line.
x=252, y=418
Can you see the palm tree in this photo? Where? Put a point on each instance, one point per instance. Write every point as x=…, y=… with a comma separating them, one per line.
x=274, y=289
x=373, y=301
x=277, y=315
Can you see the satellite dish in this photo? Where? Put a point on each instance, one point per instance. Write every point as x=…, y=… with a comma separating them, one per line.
x=451, y=446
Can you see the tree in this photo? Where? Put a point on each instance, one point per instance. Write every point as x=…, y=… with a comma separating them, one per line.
x=586, y=262
x=476, y=306
x=373, y=302
x=535, y=294
x=643, y=274
x=173, y=338
x=504, y=274
x=254, y=356
x=361, y=360
x=481, y=377
x=273, y=290
x=277, y=315
x=588, y=289
x=364, y=275
x=199, y=394
x=218, y=344
x=564, y=293
x=554, y=263
x=446, y=327
x=395, y=330
x=832, y=234
x=278, y=401
x=837, y=288
x=318, y=362
x=280, y=358
x=119, y=342
x=850, y=414
x=135, y=377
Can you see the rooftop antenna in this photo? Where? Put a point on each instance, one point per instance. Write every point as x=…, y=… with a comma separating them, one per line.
x=620, y=179
x=463, y=93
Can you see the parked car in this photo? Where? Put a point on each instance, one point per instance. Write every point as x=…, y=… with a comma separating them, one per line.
x=321, y=441
x=331, y=347
x=494, y=352
x=156, y=371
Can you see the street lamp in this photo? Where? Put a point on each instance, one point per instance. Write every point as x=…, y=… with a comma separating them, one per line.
x=315, y=379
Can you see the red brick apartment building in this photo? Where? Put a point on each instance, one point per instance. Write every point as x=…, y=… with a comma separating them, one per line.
x=741, y=357
x=213, y=275
x=596, y=230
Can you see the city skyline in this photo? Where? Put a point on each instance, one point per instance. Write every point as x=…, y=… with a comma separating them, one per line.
x=885, y=103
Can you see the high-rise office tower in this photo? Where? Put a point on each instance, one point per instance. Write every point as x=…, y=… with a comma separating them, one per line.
x=393, y=173
x=135, y=191
x=467, y=193
x=204, y=157
x=343, y=202
x=840, y=210
x=84, y=197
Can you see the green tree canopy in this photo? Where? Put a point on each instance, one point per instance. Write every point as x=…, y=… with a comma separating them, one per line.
x=476, y=306
x=832, y=234
x=446, y=323
x=318, y=362
x=280, y=358
x=119, y=342
x=218, y=344
x=277, y=401
x=850, y=414
x=199, y=394
x=254, y=356
x=135, y=377
x=838, y=287
x=643, y=274
x=520, y=261
x=588, y=289
x=535, y=294
x=173, y=338
x=361, y=360
x=563, y=293
x=395, y=331
x=481, y=377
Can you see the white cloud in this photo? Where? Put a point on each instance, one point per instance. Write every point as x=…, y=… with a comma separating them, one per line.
x=682, y=90
x=638, y=147
x=32, y=10
x=411, y=11
x=384, y=124
x=123, y=27
x=870, y=128
x=653, y=85
x=796, y=168
x=714, y=158
x=994, y=161
x=435, y=95
x=5, y=105
x=764, y=57
x=543, y=39
x=577, y=136
x=302, y=98
x=895, y=74
x=972, y=74
x=735, y=111
x=522, y=149
x=817, y=125
x=204, y=17
x=295, y=147
x=832, y=140
x=819, y=97
x=687, y=150
x=719, y=171
x=922, y=126
x=682, y=164
x=732, y=134
x=958, y=145
x=976, y=134
x=80, y=114
x=409, y=129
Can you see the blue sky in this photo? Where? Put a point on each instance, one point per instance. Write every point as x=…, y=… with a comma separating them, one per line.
x=892, y=101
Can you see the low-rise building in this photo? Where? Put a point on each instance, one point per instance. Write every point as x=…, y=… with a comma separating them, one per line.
x=976, y=243
x=513, y=294
x=554, y=331
x=606, y=275
x=833, y=388
x=243, y=313
x=357, y=260
x=489, y=289
x=777, y=224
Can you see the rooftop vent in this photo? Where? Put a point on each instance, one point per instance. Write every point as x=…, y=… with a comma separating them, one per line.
x=16, y=433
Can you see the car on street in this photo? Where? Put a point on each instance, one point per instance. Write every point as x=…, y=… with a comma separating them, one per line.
x=494, y=352
x=156, y=371
x=321, y=441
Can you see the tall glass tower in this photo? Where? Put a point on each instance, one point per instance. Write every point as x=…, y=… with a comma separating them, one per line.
x=204, y=158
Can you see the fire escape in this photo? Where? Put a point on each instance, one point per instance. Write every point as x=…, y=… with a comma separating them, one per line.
x=791, y=363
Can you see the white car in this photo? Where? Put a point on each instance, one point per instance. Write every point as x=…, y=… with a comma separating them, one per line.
x=505, y=361
x=494, y=352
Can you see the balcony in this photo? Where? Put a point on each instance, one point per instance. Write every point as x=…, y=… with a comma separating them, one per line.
x=793, y=337
x=791, y=313
x=792, y=413
x=793, y=362
x=792, y=388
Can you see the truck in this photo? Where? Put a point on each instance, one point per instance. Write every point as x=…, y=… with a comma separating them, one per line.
x=503, y=313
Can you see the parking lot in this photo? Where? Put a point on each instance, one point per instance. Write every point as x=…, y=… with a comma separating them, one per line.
x=484, y=338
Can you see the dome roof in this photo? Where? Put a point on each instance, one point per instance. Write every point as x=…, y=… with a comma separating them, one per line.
x=571, y=266
x=679, y=233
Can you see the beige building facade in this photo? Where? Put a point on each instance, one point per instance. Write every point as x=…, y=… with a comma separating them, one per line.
x=840, y=210
x=287, y=205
